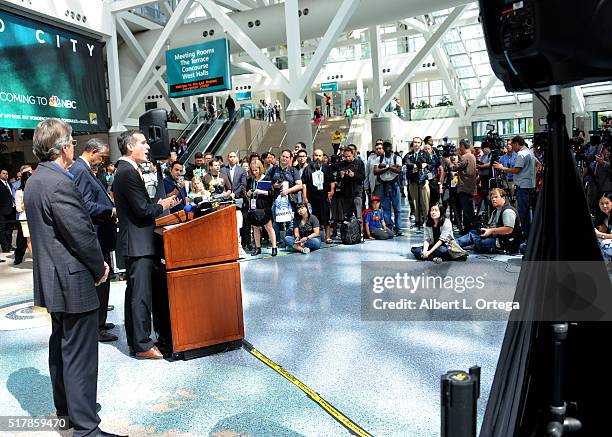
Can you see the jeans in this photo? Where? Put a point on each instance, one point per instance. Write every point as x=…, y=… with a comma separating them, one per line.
x=523, y=201
x=466, y=204
x=441, y=252
x=312, y=244
x=379, y=234
x=391, y=198
x=481, y=245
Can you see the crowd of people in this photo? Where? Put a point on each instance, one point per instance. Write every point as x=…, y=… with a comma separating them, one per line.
x=69, y=211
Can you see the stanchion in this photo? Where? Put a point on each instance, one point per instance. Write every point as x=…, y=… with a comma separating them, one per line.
x=459, y=393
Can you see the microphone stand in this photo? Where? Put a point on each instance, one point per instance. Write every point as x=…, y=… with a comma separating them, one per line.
x=559, y=423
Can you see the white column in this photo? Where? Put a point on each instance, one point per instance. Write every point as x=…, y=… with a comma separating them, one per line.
x=377, y=78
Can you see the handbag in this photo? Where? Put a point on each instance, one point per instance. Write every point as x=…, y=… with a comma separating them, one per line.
x=454, y=250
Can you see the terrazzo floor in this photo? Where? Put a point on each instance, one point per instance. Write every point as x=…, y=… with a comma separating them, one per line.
x=303, y=312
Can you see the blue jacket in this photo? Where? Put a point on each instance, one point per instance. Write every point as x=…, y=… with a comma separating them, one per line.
x=97, y=203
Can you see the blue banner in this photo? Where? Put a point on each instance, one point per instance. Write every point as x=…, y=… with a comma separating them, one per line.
x=243, y=95
x=199, y=69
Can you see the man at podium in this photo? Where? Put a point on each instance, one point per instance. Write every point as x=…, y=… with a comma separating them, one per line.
x=136, y=213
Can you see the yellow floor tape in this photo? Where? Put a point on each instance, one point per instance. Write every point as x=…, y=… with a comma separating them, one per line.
x=334, y=412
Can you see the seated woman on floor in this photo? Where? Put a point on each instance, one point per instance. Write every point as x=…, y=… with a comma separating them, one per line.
x=437, y=232
x=306, y=231
x=604, y=230
x=374, y=224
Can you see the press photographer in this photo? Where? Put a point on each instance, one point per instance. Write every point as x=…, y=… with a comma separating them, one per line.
x=524, y=172
x=503, y=232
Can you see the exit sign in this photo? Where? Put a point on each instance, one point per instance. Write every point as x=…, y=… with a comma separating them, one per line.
x=329, y=86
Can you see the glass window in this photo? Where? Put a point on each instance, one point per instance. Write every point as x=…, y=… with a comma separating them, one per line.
x=472, y=31
x=475, y=45
x=470, y=83
x=480, y=58
x=463, y=72
x=460, y=60
x=454, y=48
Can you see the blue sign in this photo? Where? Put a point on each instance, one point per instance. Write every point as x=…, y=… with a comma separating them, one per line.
x=199, y=69
x=329, y=86
x=243, y=95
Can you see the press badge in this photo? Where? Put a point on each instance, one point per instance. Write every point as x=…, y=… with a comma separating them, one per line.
x=253, y=204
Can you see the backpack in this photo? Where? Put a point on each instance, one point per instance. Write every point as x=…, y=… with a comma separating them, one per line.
x=350, y=231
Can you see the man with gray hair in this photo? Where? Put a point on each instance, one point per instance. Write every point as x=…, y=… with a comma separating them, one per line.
x=103, y=216
x=67, y=268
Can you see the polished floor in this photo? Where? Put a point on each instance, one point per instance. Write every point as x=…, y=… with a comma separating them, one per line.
x=303, y=312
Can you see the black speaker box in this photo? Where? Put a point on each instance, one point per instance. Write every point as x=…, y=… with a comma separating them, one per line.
x=539, y=43
x=154, y=124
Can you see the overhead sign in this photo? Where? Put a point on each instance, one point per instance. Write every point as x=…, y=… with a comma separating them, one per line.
x=243, y=95
x=49, y=72
x=199, y=69
x=329, y=86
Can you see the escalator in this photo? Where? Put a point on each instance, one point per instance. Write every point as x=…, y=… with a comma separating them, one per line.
x=209, y=138
x=216, y=145
x=199, y=141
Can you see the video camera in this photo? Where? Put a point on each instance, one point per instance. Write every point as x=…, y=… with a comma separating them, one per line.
x=447, y=149
x=494, y=142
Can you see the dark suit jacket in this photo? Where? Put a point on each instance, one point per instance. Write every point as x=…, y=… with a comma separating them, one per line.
x=169, y=186
x=68, y=258
x=239, y=182
x=136, y=212
x=6, y=200
x=97, y=202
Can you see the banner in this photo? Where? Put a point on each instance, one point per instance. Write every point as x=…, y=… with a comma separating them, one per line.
x=50, y=72
x=199, y=69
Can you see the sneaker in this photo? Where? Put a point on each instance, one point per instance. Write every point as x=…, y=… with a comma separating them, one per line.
x=398, y=233
x=305, y=250
x=437, y=260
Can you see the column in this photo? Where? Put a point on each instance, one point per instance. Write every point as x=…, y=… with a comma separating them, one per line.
x=299, y=128
x=382, y=127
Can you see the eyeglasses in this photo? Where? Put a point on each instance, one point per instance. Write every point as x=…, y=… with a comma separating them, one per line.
x=73, y=142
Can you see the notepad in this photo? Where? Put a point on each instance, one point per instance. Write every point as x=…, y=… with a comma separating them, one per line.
x=264, y=185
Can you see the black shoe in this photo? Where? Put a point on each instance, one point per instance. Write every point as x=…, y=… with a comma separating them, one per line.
x=105, y=337
x=111, y=307
x=256, y=252
x=398, y=233
x=17, y=262
x=109, y=326
x=274, y=251
x=108, y=434
x=2, y=260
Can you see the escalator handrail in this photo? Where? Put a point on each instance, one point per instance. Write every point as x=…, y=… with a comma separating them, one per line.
x=216, y=142
x=198, y=141
x=191, y=122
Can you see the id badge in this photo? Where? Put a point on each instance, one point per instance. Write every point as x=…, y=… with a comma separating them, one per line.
x=253, y=204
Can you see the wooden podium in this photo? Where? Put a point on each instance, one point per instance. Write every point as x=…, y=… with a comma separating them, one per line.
x=197, y=305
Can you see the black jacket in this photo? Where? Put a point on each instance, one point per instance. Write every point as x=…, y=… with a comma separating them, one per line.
x=68, y=258
x=353, y=186
x=6, y=201
x=136, y=212
x=98, y=204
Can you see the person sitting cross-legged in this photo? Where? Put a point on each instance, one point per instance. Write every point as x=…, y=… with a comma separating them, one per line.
x=438, y=230
x=306, y=231
x=374, y=222
x=504, y=231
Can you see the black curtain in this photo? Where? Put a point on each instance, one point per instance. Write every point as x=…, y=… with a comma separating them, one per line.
x=561, y=234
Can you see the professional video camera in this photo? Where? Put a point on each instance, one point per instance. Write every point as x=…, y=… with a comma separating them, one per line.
x=493, y=141
x=447, y=149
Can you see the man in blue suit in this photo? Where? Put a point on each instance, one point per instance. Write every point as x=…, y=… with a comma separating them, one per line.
x=174, y=185
x=103, y=216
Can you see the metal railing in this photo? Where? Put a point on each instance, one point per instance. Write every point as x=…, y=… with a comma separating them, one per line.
x=249, y=149
x=316, y=133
